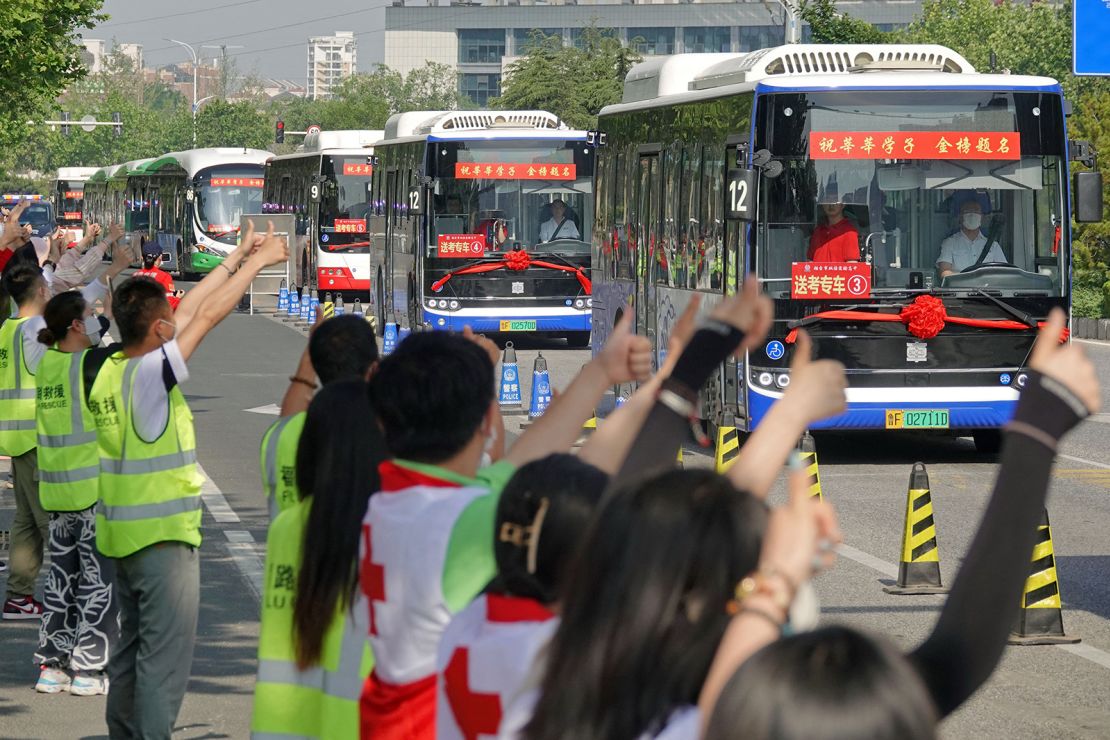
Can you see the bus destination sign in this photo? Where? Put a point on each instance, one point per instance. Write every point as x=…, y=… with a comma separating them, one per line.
x=461, y=246
x=515, y=171
x=829, y=280
x=914, y=145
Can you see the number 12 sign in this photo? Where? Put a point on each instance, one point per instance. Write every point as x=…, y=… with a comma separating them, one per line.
x=740, y=195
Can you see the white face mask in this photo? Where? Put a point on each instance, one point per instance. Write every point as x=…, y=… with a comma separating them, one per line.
x=972, y=221
x=487, y=458
x=92, y=329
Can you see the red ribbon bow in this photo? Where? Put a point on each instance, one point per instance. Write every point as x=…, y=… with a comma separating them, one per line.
x=516, y=260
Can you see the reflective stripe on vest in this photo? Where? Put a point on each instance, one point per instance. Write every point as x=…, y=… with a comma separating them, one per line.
x=17, y=392
x=149, y=491
x=68, y=458
x=279, y=451
x=342, y=683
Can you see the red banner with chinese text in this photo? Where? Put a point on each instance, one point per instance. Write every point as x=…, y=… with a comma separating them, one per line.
x=514, y=171
x=817, y=281
x=350, y=226
x=75, y=194
x=72, y=215
x=356, y=169
x=236, y=182
x=466, y=246
x=914, y=145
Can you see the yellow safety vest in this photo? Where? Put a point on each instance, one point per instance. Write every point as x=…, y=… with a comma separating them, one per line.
x=321, y=702
x=69, y=461
x=278, y=460
x=149, y=491
x=17, y=392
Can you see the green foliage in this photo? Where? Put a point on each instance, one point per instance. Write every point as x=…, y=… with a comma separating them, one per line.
x=573, y=83
x=832, y=27
x=40, y=57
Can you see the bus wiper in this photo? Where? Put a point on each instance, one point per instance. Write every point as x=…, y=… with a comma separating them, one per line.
x=1016, y=313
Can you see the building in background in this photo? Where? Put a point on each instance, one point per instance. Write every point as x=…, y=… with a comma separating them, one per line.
x=480, y=38
x=96, y=53
x=331, y=59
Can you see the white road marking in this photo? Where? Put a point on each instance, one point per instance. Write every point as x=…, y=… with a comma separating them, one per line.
x=1096, y=342
x=240, y=543
x=1088, y=652
x=1085, y=461
x=270, y=409
x=214, y=499
x=1100, y=418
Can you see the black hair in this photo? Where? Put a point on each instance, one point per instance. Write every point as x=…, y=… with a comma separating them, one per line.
x=342, y=347
x=431, y=395
x=21, y=281
x=149, y=260
x=648, y=607
x=136, y=304
x=24, y=255
x=337, y=467
x=59, y=314
x=830, y=684
x=542, y=515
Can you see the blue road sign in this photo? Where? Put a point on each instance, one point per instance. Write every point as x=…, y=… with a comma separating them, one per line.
x=775, y=349
x=1091, y=55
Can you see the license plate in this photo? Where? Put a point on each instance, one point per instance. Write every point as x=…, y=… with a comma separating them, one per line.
x=529, y=325
x=916, y=419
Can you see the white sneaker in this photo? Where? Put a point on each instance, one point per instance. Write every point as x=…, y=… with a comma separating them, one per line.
x=52, y=681
x=89, y=685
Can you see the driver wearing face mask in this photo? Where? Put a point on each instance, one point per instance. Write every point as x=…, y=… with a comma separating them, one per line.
x=963, y=249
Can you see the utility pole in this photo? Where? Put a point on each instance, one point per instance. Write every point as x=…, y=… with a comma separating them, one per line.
x=792, y=21
x=193, y=52
x=225, y=73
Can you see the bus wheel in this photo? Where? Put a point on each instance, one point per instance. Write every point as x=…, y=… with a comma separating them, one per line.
x=578, y=339
x=987, y=441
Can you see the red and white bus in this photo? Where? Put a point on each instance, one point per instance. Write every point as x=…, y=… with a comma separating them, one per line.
x=324, y=185
x=68, y=194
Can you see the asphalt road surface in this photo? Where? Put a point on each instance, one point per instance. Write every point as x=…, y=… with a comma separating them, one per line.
x=240, y=373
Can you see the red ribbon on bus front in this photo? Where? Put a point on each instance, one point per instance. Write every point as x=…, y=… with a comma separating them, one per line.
x=516, y=260
x=924, y=318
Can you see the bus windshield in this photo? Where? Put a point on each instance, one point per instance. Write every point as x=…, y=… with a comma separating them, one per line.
x=954, y=190
x=501, y=195
x=344, y=204
x=71, y=196
x=223, y=194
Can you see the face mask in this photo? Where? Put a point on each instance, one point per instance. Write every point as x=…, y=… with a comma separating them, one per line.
x=172, y=326
x=972, y=221
x=92, y=329
x=487, y=458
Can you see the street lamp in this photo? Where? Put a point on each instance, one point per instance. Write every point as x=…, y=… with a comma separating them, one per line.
x=194, y=53
x=791, y=20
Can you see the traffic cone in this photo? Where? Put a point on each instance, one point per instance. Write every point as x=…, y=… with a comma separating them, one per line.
x=728, y=445
x=508, y=395
x=1041, y=619
x=305, y=303
x=389, y=339
x=294, y=305
x=919, y=568
x=588, y=428
x=358, y=308
x=808, y=448
x=541, y=388
x=313, y=309
x=402, y=332
x=283, y=298
x=339, y=305
x=328, y=297
x=328, y=308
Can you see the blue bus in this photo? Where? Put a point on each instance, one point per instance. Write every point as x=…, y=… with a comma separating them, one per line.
x=912, y=214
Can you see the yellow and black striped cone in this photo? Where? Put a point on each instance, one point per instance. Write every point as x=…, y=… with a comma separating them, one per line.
x=808, y=448
x=587, y=429
x=919, y=568
x=327, y=308
x=1041, y=619
x=728, y=447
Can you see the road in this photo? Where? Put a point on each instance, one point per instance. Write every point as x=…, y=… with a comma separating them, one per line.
x=241, y=370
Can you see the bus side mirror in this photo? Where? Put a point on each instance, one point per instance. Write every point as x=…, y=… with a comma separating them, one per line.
x=1087, y=191
x=740, y=195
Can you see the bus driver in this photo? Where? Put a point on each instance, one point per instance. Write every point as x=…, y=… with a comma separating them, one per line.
x=967, y=246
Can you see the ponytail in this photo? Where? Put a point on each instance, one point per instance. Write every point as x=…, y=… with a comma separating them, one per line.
x=59, y=314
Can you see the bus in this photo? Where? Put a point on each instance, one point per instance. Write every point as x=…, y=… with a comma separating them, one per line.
x=118, y=194
x=718, y=167
x=463, y=223
x=39, y=213
x=196, y=198
x=325, y=185
x=68, y=195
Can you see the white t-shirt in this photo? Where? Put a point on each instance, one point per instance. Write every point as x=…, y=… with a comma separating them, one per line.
x=33, y=349
x=568, y=230
x=159, y=371
x=961, y=252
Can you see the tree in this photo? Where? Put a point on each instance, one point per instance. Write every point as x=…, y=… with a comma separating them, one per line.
x=572, y=82
x=41, y=57
x=831, y=27
x=220, y=123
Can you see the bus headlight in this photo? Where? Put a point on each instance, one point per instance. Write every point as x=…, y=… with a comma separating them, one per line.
x=590, y=302
x=765, y=379
x=782, y=380
x=1021, y=380
x=431, y=303
x=454, y=305
x=443, y=303
x=579, y=303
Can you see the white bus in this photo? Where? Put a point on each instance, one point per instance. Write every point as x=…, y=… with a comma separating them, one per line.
x=118, y=194
x=325, y=187
x=68, y=194
x=196, y=198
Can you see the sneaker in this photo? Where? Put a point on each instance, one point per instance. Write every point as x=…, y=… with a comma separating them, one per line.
x=3, y=567
x=24, y=608
x=94, y=685
x=52, y=681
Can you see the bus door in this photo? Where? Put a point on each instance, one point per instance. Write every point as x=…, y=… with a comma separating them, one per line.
x=394, y=230
x=647, y=223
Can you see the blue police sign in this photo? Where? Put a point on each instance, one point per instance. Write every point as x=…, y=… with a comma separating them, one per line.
x=1092, y=27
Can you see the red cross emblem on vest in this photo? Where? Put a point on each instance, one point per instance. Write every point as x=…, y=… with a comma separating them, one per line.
x=372, y=578
x=475, y=713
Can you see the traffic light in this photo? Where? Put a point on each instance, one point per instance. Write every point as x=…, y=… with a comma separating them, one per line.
x=118, y=128
x=65, y=123
x=279, y=133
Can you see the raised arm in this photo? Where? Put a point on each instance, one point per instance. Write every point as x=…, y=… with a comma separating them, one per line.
x=302, y=385
x=217, y=278
x=816, y=391
x=967, y=642
x=624, y=357
x=224, y=293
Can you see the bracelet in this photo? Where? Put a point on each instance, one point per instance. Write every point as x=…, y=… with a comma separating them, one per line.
x=759, y=583
x=763, y=613
x=302, y=381
x=230, y=272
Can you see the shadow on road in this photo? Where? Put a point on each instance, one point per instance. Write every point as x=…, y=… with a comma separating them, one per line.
x=1083, y=584
x=887, y=448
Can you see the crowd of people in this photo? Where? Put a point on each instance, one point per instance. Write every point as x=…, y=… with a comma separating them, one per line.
x=425, y=579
